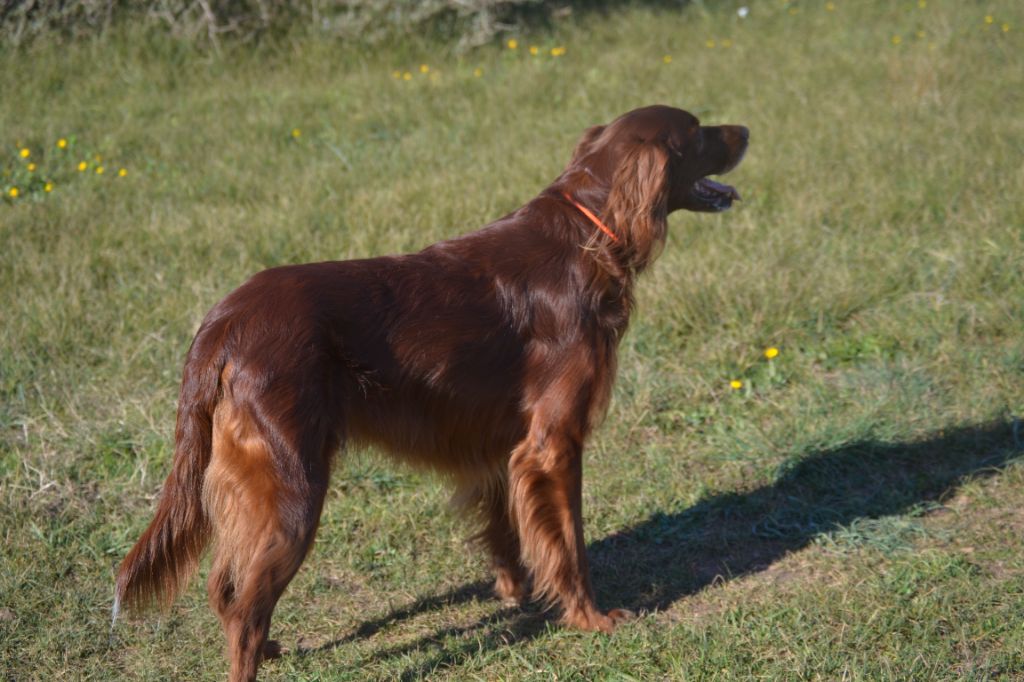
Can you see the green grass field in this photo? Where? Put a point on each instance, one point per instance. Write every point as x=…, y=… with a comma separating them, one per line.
x=854, y=511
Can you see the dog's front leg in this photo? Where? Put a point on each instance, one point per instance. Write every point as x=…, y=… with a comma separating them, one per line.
x=545, y=476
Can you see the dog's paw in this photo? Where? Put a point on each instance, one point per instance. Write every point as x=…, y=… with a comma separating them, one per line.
x=272, y=649
x=620, y=616
x=510, y=588
x=595, y=621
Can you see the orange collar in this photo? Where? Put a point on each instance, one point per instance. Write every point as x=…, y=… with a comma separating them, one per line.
x=593, y=218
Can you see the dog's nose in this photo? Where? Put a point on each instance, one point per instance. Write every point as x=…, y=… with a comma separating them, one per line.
x=741, y=132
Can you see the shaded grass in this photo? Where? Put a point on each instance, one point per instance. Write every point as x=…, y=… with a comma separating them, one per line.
x=814, y=524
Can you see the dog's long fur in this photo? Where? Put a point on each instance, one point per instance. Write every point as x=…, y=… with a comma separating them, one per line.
x=489, y=357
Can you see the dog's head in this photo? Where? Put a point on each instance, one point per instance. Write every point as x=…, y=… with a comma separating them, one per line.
x=653, y=161
x=669, y=153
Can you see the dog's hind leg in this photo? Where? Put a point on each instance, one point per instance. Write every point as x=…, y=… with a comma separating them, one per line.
x=264, y=503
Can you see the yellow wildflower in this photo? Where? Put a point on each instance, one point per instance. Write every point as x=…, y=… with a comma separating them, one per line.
x=667, y=59
x=31, y=167
x=513, y=44
x=122, y=172
x=407, y=76
x=1006, y=28
x=478, y=72
x=896, y=40
x=771, y=352
x=62, y=143
x=830, y=6
x=988, y=20
x=424, y=68
x=99, y=170
x=534, y=50
x=736, y=384
x=48, y=187
x=13, y=192
x=557, y=51
x=710, y=43
x=296, y=133
x=25, y=153
x=98, y=158
x=396, y=74
x=922, y=4
x=82, y=165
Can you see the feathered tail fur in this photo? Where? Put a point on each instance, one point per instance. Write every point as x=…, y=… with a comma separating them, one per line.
x=166, y=556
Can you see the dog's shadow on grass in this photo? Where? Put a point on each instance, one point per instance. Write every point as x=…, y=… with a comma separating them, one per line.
x=728, y=535
x=843, y=491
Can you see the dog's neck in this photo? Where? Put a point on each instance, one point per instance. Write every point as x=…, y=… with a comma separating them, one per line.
x=598, y=223
x=613, y=247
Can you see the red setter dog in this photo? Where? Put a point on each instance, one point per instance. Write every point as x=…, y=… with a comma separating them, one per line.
x=489, y=357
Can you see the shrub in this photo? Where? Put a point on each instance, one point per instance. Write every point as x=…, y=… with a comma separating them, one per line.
x=465, y=22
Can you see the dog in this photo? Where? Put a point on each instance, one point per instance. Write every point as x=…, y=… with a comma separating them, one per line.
x=489, y=358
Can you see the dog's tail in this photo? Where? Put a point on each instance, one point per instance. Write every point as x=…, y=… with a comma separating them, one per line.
x=164, y=558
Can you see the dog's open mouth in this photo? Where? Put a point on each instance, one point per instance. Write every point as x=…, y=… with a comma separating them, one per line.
x=714, y=196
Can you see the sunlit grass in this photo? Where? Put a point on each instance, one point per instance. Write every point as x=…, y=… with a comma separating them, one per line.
x=860, y=522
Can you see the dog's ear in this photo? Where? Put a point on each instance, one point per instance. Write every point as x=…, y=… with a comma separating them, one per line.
x=586, y=142
x=637, y=205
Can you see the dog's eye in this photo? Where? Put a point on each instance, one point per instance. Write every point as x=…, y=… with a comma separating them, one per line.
x=688, y=145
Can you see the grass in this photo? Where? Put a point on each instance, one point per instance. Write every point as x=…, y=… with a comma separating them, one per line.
x=853, y=512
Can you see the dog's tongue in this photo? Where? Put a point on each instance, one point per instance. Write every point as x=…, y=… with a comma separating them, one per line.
x=727, y=190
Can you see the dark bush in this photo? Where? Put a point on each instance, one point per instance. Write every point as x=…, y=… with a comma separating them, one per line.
x=464, y=22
